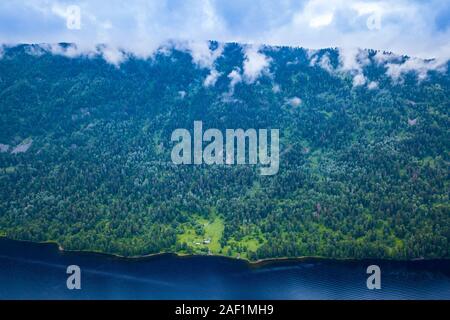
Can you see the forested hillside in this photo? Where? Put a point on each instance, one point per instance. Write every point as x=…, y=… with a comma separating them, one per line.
x=364, y=153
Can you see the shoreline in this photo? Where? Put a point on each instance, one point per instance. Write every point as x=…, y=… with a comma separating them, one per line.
x=253, y=263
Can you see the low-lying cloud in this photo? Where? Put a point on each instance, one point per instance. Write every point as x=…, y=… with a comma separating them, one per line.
x=255, y=63
x=115, y=30
x=415, y=28
x=419, y=66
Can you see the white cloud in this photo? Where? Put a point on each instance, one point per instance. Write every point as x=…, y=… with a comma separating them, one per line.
x=313, y=61
x=60, y=11
x=182, y=94
x=294, y=101
x=316, y=14
x=113, y=56
x=212, y=77
x=321, y=20
x=383, y=57
x=235, y=77
x=201, y=53
x=276, y=88
x=421, y=67
x=140, y=27
x=404, y=26
x=412, y=122
x=372, y=85
x=353, y=59
x=71, y=51
x=35, y=50
x=324, y=62
x=255, y=63
x=359, y=80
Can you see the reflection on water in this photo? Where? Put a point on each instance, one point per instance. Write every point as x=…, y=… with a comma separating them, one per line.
x=38, y=271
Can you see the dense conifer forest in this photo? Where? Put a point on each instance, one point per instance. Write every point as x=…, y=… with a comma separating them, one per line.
x=364, y=154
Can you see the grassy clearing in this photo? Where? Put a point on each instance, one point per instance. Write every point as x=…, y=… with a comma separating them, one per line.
x=203, y=235
x=235, y=248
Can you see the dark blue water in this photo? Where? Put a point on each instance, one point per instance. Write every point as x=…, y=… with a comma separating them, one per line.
x=38, y=271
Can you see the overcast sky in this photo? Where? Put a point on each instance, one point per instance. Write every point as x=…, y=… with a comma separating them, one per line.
x=417, y=28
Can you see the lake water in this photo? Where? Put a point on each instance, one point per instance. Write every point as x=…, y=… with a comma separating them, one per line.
x=38, y=271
